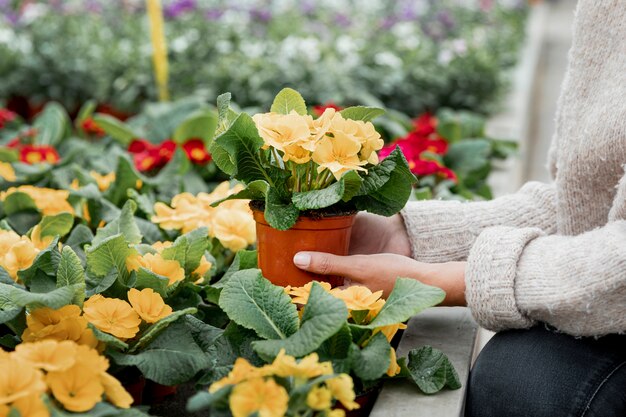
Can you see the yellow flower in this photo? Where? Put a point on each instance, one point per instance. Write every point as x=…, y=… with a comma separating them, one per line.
x=219, y=193
x=319, y=398
x=242, y=370
x=338, y=154
x=358, y=298
x=7, y=172
x=308, y=367
x=320, y=126
x=49, y=355
x=185, y=214
x=342, y=389
x=159, y=246
x=204, y=267
x=280, y=130
x=115, y=392
x=17, y=254
x=31, y=406
x=148, y=304
x=65, y=323
x=47, y=200
x=235, y=229
x=167, y=268
x=19, y=379
x=390, y=330
x=394, y=369
x=371, y=142
x=39, y=242
x=257, y=395
x=296, y=153
x=301, y=294
x=78, y=388
x=338, y=412
x=103, y=181
x=112, y=315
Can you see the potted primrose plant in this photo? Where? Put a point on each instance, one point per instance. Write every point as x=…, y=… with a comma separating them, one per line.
x=307, y=178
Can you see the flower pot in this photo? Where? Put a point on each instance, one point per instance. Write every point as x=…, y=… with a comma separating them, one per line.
x=276, y=248
x=134, y=382
x=156, y=393
x=366, y=402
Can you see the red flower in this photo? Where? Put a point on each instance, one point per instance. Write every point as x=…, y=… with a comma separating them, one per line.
x=35, y=154
x=90, y=127
x=139, y=145
x=6, y=116
x=319, y=109
x=148, y=156
x=196, y=151
x=14, y=143
x=425, y=124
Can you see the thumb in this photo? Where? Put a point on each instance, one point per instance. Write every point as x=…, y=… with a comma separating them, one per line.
x=324, y=263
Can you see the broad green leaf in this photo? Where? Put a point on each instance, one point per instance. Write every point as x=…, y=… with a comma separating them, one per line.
x=145, y=202
x=99, y=284
x=323, y=316
x=409, y=297
x=18, y=201
x=371, y=362
x=57, y=225
x=244, y=259
x=148, y=279
x=109, y=339
x=336, y=349
x=457, y=125
x=256, y=190
x=468, y=155
x=199, y=125
x=153, y=331
x=431, y=370
x=255, y=303
x=125, y=225
x=344, y=189
x=242, y=142
x=204, y=399
x=10, y=314
x=23, y=221
x=280, y=213
x=126, y=178
x=172, y=358
x=362, y=113
x=189, y=249
x=222, y=158
x=288, y=100
x=226, y=115
x=86, y=110
x=71, y=272
x=118, y=130
x=54, y=299
x=44, y=265
x=110, y=253
x=51, y=124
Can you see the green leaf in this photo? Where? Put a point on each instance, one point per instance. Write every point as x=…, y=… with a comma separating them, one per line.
x=431, y=370
x=111, y=253
x=255, y=303
x=172, y=358
x=18, y=201
x=409, y=297
x=344, y=189
x=242, y=142
x=57, y=225
x=221, y=158
x=51, y=124
x=371, y=362
x=204, y=399
x=53, y=299
x=148, y=279
x=323, y=316
x=200, y=125
x=71, y=272
x=189, y=249
x=153, y=331
x=468, y=155
x=86, y=110
x=9, y=314
x=244, y=259
x=118, y=130
x=109, y=339
x=362, y=113
x=288, y=100
x=44, y=265
x=126, y=177
x=280, y=213
x=256, y=190
x=125, y=225
x=336, y=349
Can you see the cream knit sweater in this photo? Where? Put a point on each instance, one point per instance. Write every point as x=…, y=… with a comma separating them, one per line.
x=553, y=253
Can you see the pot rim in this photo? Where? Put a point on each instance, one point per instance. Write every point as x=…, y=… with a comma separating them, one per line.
x=309, y=223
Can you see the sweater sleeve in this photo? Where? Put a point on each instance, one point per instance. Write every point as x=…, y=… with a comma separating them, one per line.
x=515, y=277
x=442, y=231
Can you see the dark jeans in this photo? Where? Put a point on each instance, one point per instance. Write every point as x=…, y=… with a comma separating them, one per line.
x=539, y=372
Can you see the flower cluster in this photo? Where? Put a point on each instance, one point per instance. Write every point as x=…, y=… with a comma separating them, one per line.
x=6, y=116
x=363, y=306
x=331, y=141
x=18, y=252
x=231, y=222
x=34, y=154
x=266, y=390
x=420, y=142
x=75, y=375
x=66, y=323
x=122, y=319
x=47, y=200
x=149, y=157
x=90, y=127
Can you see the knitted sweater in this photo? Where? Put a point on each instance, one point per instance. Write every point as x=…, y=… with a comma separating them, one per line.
x=552, y=253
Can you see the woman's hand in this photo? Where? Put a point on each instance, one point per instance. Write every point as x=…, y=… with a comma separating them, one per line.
x=379, y=272
x=377, y=234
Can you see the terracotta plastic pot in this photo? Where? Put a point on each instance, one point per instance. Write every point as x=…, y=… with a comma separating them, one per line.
x=276, y=248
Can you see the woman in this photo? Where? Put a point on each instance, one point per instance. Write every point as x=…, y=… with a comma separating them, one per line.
x=545, y=267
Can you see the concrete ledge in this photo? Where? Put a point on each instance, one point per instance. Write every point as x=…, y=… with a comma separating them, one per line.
x=449, y=329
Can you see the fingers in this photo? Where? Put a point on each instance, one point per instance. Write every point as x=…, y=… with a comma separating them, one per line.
x=326, y=263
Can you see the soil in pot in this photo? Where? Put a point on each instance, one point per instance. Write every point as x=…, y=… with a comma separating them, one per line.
x=314, y=231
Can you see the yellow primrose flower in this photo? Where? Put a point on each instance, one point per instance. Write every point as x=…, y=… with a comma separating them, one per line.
x=49, y=355
x=19, y=379
x=159, y=246
x=342, y=389
x=280, y=130
x=167, y=268
x=394, y=369
x=220, y=192
x=390, y=330
x=338, y=412
x=301, y=294
x=115, y=392
x=47, y=200
x=235, y=229
x=185, y=214
x=204, y=267
x=308, y=367
x=297, y=154
x=103, y=181
x=18, y=255
x=112, y=315
x=7, y=172
x=39, y=242
x=319, y=398
x=242, y=370
x=31, y=406
x=338, y=154
x=371, y=142
x=258, y=395
x=148, y=304
x=320, y=126
x=357, y=298
x=77, y=388
x=65, y=323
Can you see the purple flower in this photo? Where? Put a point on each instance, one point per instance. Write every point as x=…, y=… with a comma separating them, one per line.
x=262, y=15
x=342, y=20
x=179, y=7
x=388, y=22
x=214, y=14
x=446, y=19
x=307, y=7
